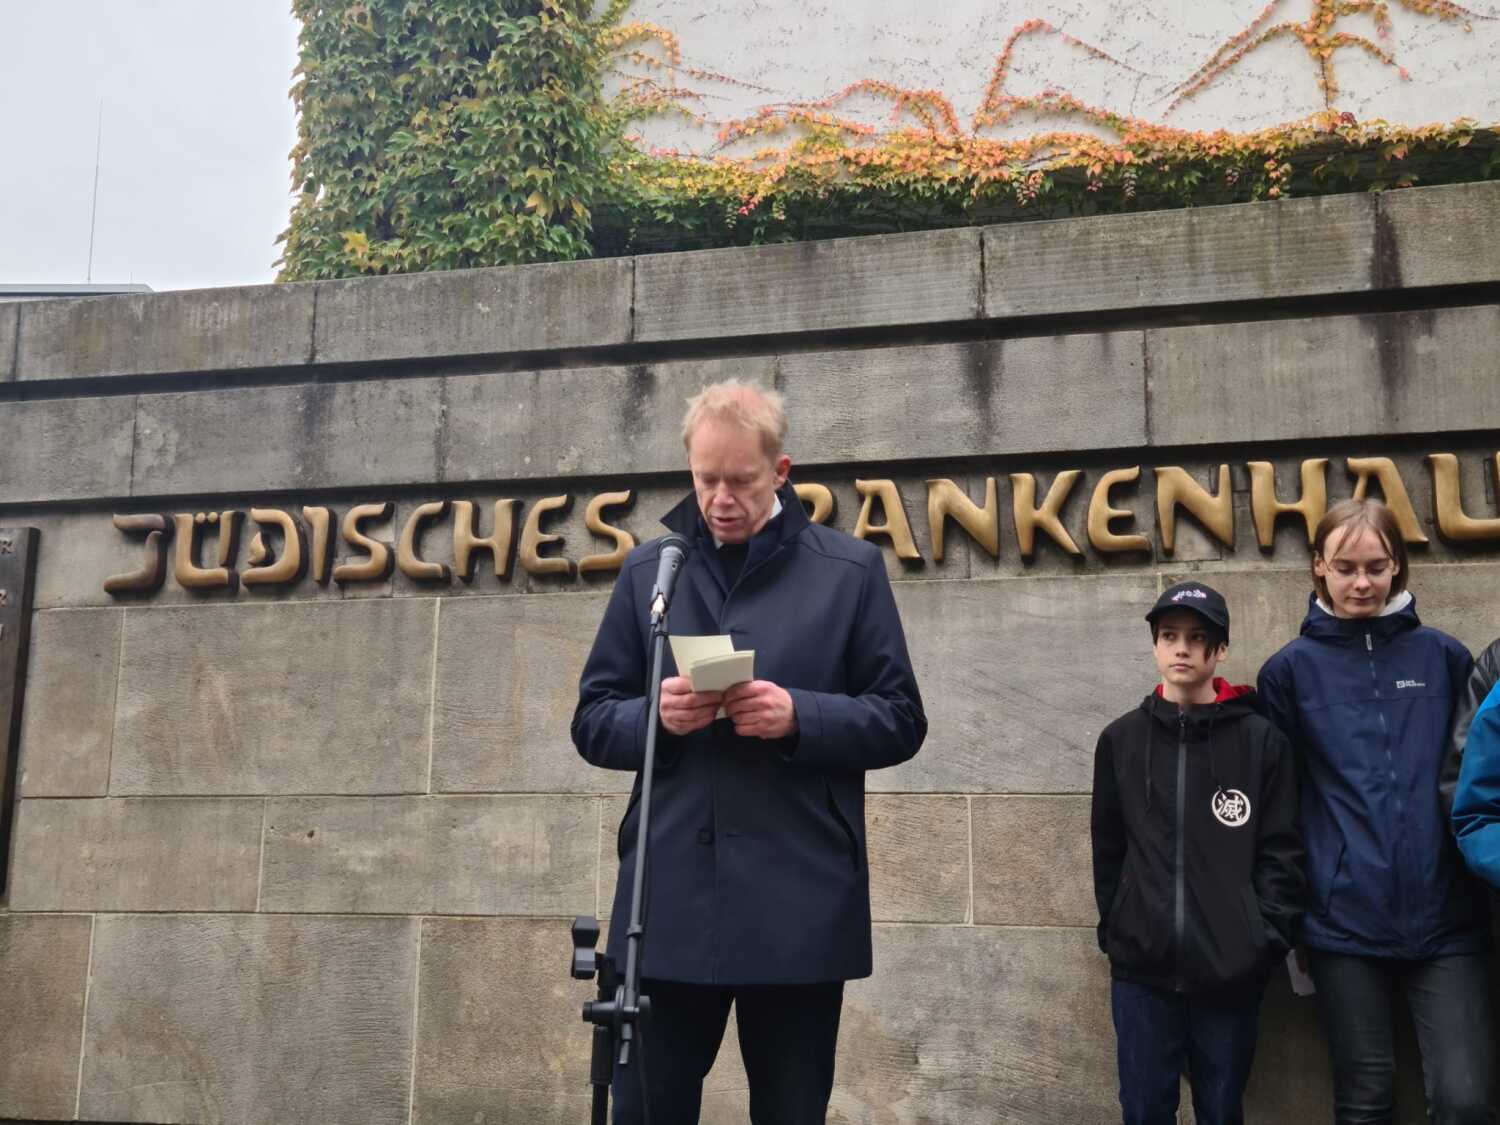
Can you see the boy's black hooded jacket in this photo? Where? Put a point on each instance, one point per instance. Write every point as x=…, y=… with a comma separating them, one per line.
x=1197, y=853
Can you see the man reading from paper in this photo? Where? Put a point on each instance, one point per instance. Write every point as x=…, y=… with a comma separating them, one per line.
x=757, y=889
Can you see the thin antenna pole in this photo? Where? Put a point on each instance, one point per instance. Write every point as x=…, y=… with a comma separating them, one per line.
x=94, y=208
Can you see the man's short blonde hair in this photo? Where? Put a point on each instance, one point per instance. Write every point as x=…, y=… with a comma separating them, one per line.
x=738, y=403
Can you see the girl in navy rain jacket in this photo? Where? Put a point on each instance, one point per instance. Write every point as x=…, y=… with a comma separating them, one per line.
x=1366, y=695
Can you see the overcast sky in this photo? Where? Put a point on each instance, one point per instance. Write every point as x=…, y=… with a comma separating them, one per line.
x=194, y=182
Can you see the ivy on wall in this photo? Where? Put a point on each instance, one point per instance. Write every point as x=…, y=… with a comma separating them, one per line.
x=437, y=134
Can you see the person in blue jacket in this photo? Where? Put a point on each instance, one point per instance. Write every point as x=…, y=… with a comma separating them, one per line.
x=1474, y=759
x=1366, y=695
x=757, y=883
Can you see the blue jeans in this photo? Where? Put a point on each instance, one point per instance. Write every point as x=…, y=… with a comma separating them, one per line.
x=1449, y=998
x=1160, y=1034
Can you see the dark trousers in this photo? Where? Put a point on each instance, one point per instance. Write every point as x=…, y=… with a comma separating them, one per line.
x=787, y=1038
x=1450, y=1007
x=1161, y=1034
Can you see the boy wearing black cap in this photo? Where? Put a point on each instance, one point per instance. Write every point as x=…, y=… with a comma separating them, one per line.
x=1197, y=869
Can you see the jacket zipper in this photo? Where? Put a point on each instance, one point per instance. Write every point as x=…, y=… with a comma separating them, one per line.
x=1390, y=766
x=1179, y=916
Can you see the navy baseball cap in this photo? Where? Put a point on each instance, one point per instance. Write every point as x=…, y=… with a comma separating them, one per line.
x=1199, y=597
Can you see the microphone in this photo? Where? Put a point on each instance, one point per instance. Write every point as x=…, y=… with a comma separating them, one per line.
x=673, y=551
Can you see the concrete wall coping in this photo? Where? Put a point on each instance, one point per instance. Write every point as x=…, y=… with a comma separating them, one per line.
x=1302, y=248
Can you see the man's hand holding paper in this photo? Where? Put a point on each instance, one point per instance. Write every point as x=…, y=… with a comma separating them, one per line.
x=760, y=709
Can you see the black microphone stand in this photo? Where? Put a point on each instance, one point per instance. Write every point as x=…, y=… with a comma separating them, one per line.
x=620, y=1010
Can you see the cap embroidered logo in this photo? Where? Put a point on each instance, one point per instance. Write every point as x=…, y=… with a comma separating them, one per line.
x=1177, y=597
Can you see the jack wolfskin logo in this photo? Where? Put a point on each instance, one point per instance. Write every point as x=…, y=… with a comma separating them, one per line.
x=1409, y=683
x=1177, y=597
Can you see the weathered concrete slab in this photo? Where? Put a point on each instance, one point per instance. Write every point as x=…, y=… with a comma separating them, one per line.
x=1459, y=600
x=138, y=854
x=277, y=698
x=507, y=683
x=475, y=312
x=1245, y=252
x=321, y=435
x=431, y=855
x=585, y=421
x=65, y=449
x=250, y=1018
x=1011, y=707
x=1447, y=235
x=498, y=1034
x=1032, y=865
x=809, y=286
x=952, y=400
x=70, y=703
x=1015, y=1027
x=10, y=318
x=43, y=968
x=1391, y=373
x=919, y=858
x=162, y=333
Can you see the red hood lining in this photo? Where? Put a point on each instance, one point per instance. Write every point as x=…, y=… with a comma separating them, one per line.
x=1224, y=691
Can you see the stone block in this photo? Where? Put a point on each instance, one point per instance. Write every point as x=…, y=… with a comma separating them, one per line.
x=317, y=435
x=250, y=1018
x=1380, y=373
x=576, y=422
x=431, y=855
x=611, y=814
x=282, y=698
x=919, y=858
x=1244, y=252
x=866, y=282
x=1019, y=676
x=499, y=1038
x=507, y=683
x=1032, y=864
x=1459, y=600
x=138, y=854
x=10, y=319
x=1025, y=395
x=1448, y=235
x=65, y=449
x=475, y=312
x=44, y=964
x=69, y=717
x=197, y=330
x=963, y=1024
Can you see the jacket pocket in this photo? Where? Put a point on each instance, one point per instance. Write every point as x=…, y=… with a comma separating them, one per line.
x=1130, y=937
x=850, y=838
x=1324, y=878
x=630, y=807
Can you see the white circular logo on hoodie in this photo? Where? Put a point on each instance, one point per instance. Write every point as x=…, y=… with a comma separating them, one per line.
x=1231, y=807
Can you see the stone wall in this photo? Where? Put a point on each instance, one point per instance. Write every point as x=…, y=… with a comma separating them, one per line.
x=307, y=852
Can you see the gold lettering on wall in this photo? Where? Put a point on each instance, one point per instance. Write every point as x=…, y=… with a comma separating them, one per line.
x=379, y=561
x=290, y=566
x=1029, y=517
x=1447, y=503
x=533, y=539
x=593, y=519
x=820, y=496
x=408, y=556
x=153, y=571
x=321, y=522
x=467, y=542
x=1175, y=488
x=896, y=528
x=945, y=501
x=1384, y=470
x=1266, y=507
x=1101, y=515
x=185, y=569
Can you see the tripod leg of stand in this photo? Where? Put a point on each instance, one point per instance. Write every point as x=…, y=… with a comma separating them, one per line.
x=601, y=1071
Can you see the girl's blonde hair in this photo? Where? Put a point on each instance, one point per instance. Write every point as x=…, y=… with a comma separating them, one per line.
x=1352, y=515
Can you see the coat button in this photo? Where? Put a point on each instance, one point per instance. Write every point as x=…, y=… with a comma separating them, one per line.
x=705, y=836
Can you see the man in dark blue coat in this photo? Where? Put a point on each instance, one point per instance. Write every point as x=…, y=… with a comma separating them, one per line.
x=757, y=889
